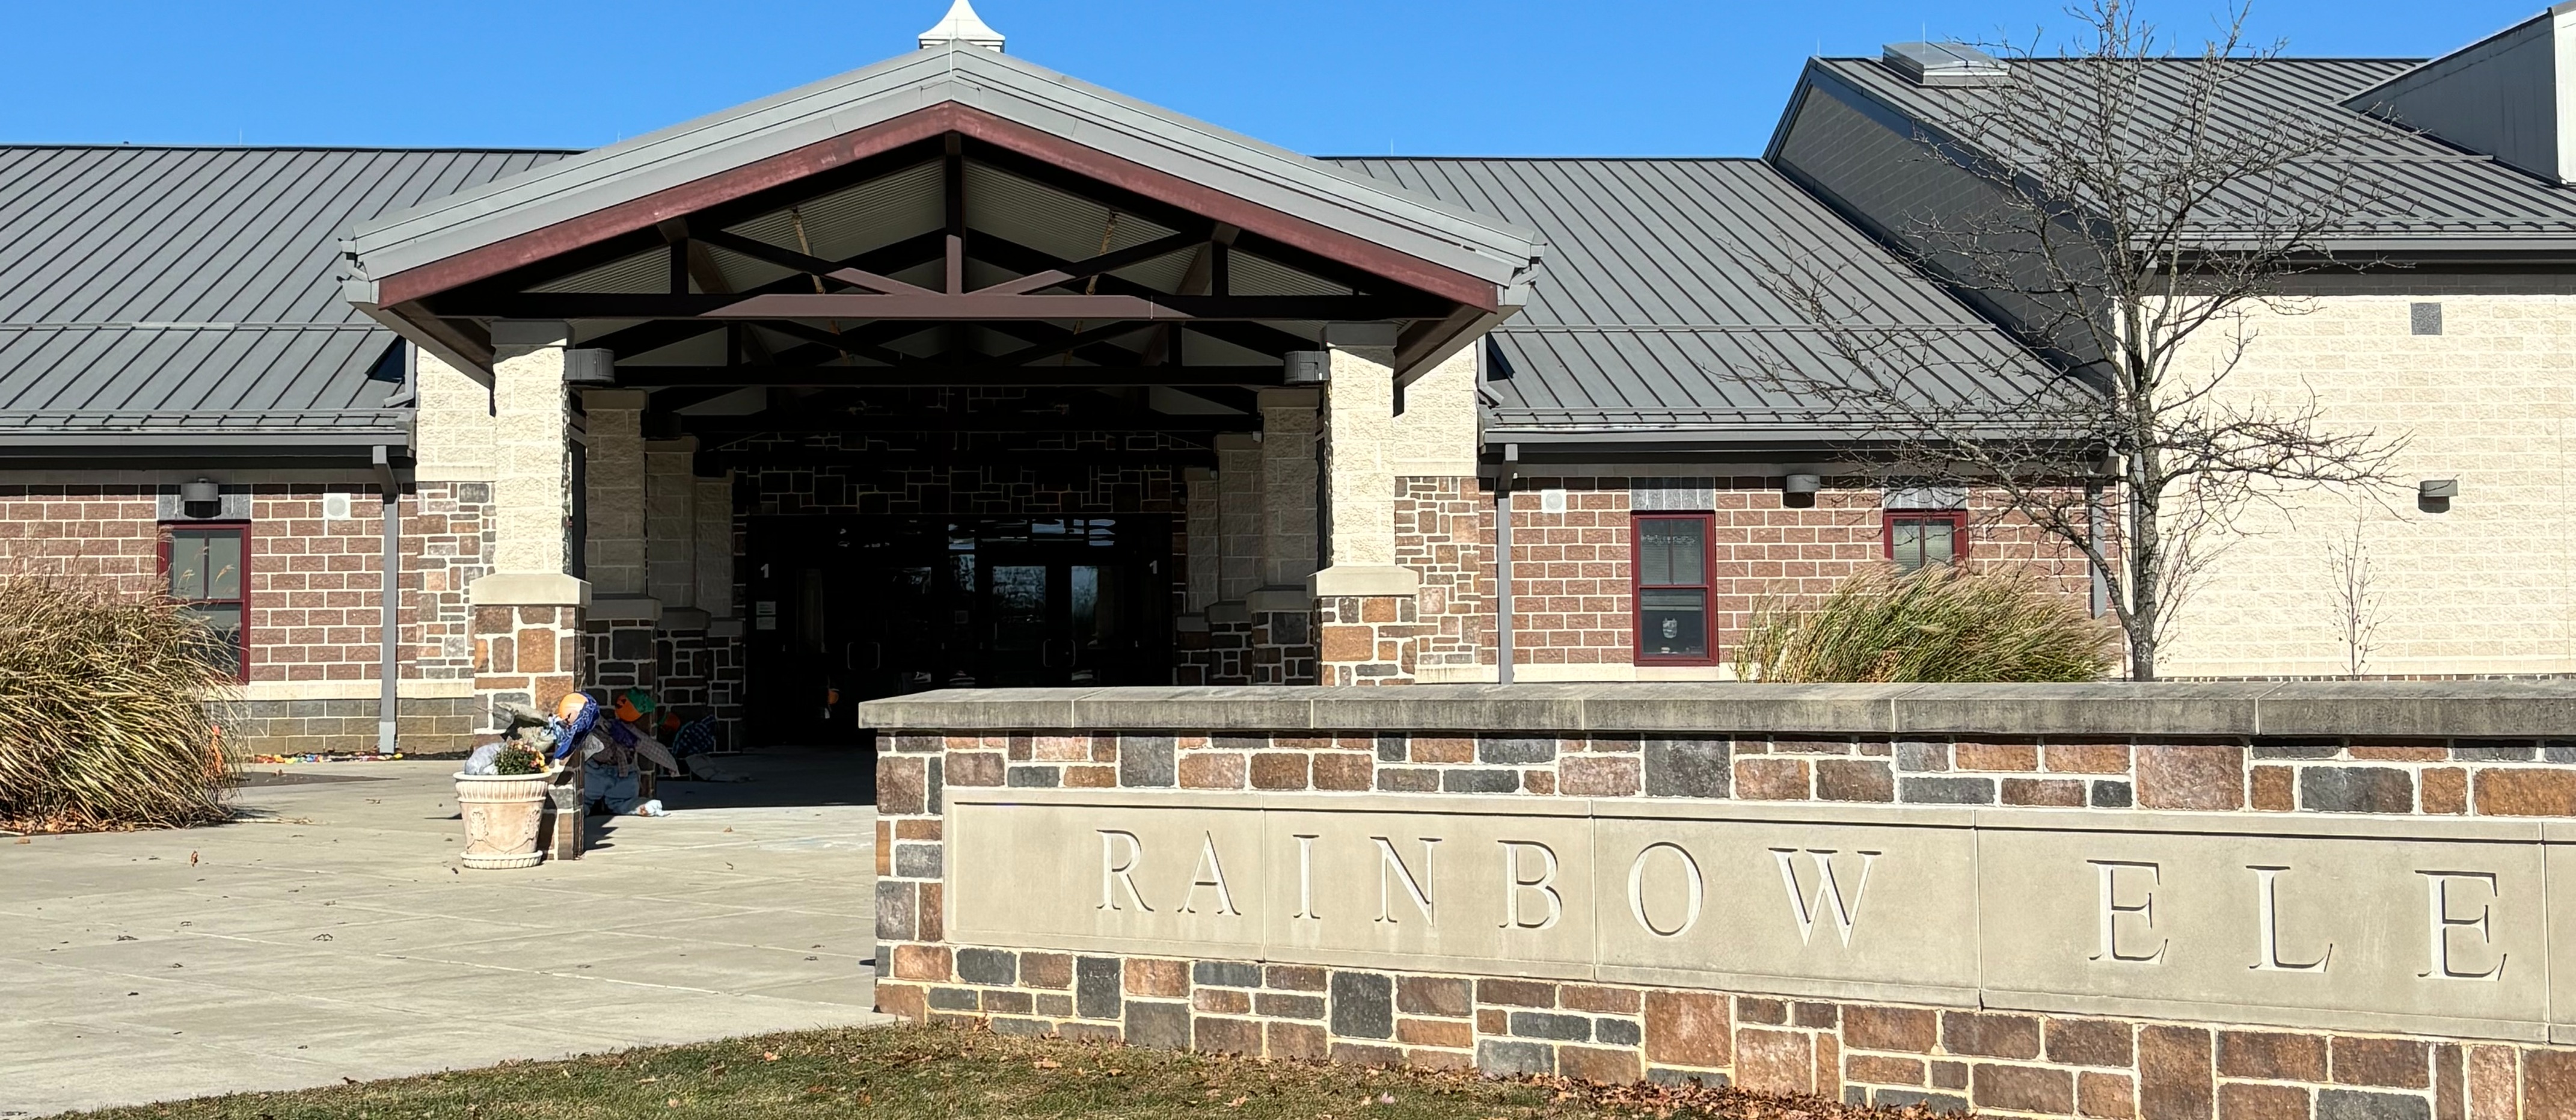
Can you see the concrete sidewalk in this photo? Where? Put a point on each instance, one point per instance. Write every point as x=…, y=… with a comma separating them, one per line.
x=331, y=935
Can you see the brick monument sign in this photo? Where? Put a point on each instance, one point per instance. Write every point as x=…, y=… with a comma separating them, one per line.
x=2265, y=900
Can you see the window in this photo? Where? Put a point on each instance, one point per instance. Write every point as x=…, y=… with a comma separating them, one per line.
x=1919, y=537
x=204, y=568
x=1672, y=578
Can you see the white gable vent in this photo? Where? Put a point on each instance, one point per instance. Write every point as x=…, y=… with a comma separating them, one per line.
x=1943, y=64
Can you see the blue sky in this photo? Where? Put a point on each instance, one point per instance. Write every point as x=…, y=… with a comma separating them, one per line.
x=1418, y=77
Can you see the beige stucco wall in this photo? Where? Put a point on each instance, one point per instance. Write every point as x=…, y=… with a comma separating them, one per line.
x=2486, y=588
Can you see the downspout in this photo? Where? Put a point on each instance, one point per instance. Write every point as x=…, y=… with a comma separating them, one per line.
x=389, y=613
x=1503, y=566
x=2093, y=511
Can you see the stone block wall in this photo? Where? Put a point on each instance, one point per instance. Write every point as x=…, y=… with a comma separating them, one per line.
x=1876, y=1052
x=2483, y=586
x=427, y=725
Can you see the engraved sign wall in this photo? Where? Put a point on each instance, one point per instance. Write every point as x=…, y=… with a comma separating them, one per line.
x=2415, y=925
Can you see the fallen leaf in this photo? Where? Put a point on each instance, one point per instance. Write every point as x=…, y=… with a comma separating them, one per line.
x=671, y=1103
x=321, y=937
x=1236, y=1102
x=127, y=937
x=649, y=1080
x=192, y=859
x=768, y=1056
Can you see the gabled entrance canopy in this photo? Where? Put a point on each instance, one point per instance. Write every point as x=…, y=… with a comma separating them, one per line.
x=948, y=217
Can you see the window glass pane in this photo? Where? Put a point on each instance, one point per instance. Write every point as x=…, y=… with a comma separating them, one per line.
x=1672, y=623
x=1940, y=541
x=1905, y=537
x=187, y=565
x=223, y=644
x=224, y=565
x=1669, y=550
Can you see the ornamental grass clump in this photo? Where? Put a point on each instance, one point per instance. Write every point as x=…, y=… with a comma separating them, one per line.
x=103, y=718
x=1938, y=624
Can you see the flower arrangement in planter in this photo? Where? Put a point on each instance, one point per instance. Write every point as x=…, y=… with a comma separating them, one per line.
x=502, y=791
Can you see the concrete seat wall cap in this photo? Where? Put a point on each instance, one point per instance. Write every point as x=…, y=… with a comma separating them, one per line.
x=2428, y=709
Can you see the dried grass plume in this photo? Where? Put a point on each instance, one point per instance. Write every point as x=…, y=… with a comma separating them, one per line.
x=1939, y=624
x=103, y=718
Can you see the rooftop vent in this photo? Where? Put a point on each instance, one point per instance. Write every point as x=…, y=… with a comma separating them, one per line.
x=962, y=25
x=1943, y=64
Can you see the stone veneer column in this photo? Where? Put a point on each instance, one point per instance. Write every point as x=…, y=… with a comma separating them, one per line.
x=671, y=560
x=1282, y=608
x=713, y=512
x=528, y=612
x=623, y=611
x=1365, y=611
x=1238, y=558
x=670, y=520
x=613, y=478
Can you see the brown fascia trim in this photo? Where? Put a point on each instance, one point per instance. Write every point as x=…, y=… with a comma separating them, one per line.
x=643, y=213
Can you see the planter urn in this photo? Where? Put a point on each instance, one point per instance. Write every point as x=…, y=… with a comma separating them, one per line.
x=502, y=812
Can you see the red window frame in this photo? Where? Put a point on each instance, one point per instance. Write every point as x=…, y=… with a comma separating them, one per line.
x=1637, y=587
x=1957, y=519
x=241, y=668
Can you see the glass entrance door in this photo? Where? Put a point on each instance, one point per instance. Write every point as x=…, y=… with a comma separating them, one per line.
x=846, y=609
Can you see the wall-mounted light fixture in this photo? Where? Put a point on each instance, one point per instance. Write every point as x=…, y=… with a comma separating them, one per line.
x=201, y=498
x=1798, y=491
x=2433, y=495
x=592, y=366
x=1307, y=367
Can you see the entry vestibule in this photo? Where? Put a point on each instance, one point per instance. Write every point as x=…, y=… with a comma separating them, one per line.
x=846, y=609
x=949, y=306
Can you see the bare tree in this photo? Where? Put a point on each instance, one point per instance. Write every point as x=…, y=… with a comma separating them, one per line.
x=2356, y=592
x=2126, y=211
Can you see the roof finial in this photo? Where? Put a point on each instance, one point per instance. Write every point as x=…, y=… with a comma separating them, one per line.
x=962, y=25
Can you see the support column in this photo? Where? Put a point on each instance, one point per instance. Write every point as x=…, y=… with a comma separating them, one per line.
x=671, y=562
x=714, y=570
x=1238, y=557
x=528, y=612
x=1283, y=608
x=623, y=612
x=1193, y=656
x=1365, y=609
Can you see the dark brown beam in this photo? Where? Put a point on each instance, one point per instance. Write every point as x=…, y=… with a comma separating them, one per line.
x=810, y=265
x=1258, y=338
x=755, y=457
x=645, y=337
x=1067, y=344
x=938, y=377
x=847, y=344
x=971, y=422
x=952, y=206
x=1105, y=262
x=1147, y=305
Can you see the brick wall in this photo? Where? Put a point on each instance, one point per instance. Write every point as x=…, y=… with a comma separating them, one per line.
x=314, y=589
x=1879, y=1053
x=1572, y=585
